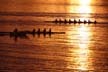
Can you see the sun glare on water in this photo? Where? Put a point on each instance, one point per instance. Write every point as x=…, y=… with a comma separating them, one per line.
x=82, y=51
x=85, y=2
x=84, y=6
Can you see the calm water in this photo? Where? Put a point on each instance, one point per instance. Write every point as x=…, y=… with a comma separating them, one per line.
x=83, y=48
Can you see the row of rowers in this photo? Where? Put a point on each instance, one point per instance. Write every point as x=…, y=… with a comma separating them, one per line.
x=44, y=31
x=74, y=21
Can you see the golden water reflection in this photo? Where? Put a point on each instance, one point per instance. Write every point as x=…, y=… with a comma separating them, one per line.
x=81, y=51
x=83, y=9
x=84, y=6
x=85, y=2
x=83, y=32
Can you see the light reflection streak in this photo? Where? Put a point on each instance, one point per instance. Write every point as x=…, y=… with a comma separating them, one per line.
x=84, y=8
x=83, y=32
x=83, y=52
x=84, y=2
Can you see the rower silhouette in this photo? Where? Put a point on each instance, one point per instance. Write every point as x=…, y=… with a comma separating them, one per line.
x=44, y=32
x=65, y=21
x=75, y=21
x=70, y=21
x=50, y=32
x=38, y=32
x=33, y=32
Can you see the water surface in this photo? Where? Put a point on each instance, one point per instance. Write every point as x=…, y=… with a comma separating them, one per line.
x=82, y=48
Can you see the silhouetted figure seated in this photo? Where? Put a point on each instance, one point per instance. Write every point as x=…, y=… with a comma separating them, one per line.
x=70, y=21
x=18, y=34
x=79, y=21
x=60, y=21
x=85, y=21
x=56, y=21
x=15, y=30
x=89, y=21
x=65, y=21
x=50, y=31
x=33, y=32
x=95, y=21
x=38, y=31
x=75, y=21
x=44, y=31
x=14, y=33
